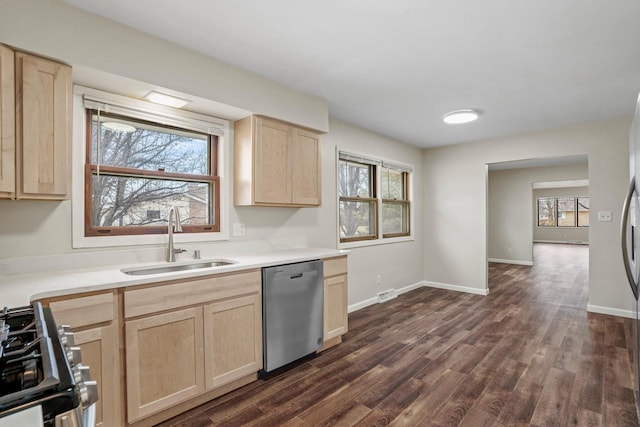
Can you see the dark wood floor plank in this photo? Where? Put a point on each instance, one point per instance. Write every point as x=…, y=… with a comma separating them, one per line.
x=553, y=406
x=420, y=411
x=527, y=354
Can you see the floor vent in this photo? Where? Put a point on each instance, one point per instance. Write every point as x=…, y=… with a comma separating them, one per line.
x=387, y=295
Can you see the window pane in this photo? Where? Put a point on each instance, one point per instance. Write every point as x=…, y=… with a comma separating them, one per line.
x=357, y=219
x=583, y=211
x=149, y=147
x=392, y=185
x=546, y=212
x=127, y=201
x=354, y=180
x=395, y=218
x=566, y=212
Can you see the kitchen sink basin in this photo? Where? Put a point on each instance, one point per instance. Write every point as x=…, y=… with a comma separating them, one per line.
x=178, y=267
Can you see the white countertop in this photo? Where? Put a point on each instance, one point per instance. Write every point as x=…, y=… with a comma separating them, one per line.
x=20, y=289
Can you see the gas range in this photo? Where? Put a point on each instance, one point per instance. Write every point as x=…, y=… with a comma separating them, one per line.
x=41, y=371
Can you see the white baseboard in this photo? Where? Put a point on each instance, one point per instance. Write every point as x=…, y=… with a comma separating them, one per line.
x=362, y=304
x=366, y=303
x=410, y=287
x=563, y=242
x=457, y=288
x=610, y=311
x=511, y=261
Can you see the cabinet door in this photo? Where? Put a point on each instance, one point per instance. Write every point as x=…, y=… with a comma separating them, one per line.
x=305, y=168
x=233, y=339
x=43, y=125
x=335, y=307
x=164, y=362
x=7, y=124
x=97, y=346
x=271, y=163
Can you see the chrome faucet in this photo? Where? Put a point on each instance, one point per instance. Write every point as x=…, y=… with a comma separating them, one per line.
x=177, y=227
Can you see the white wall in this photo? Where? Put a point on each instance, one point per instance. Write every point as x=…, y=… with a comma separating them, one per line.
x=451, y=249
x=455, y=186
x=56, y=29
x=511, y=210
x=399, y=264
x=559, y=234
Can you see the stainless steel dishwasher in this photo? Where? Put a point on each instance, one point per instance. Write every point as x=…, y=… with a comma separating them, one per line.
x=292, y=312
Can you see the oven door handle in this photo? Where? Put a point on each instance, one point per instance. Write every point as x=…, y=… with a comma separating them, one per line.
x=623, y=237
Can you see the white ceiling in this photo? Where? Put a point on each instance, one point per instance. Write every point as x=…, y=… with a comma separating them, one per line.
x=397, y=67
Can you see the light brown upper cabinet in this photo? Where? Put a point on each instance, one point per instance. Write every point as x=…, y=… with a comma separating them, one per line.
x=276, y=164
x=36, y=130
x=7, y=123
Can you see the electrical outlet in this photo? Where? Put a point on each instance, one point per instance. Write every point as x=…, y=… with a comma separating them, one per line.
x=379, y=279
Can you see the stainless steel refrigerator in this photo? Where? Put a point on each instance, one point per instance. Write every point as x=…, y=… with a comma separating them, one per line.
x=631, y=240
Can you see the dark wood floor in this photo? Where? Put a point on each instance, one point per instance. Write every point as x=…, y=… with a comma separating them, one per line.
x=527, y=354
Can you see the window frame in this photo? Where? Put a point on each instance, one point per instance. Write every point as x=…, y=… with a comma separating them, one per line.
x=377, y=164
x=168, y=116
x=403, y=202
x=372, y=201
x=576, y=222
x=578, y=212
x=575, y=212
x=91, y=168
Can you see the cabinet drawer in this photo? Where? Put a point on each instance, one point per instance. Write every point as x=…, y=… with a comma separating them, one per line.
x=138, y=302
x=335, y=266
x=83, y=311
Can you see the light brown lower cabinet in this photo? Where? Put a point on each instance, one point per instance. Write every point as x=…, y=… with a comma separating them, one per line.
x=164, y=362
x=94, y=321
x=233, y=339
x=181, y=343
x=97, y=346
x=189, y=340
x=335, y=301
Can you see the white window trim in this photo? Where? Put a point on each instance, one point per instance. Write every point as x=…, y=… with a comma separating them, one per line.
x=380, y=162
x=141, y=109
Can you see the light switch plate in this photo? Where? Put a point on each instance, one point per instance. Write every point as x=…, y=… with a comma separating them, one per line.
x=604, y=216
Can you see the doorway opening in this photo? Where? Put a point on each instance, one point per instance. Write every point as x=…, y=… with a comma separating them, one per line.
x=538, y=206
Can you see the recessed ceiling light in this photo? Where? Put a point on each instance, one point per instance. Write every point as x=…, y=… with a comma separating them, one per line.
x=460, y=116
x=119, y=127
x=164, y=99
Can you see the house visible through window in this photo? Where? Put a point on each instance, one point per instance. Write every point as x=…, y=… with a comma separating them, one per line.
x=374, y=200
x=563, y=212
x=136, y=170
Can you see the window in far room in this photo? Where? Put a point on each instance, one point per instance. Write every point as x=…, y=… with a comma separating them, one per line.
x=546, y=212
x=563, y=212
x=583, y=211
x=566, y=212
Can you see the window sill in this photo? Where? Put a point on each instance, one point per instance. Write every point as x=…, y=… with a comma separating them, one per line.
x=376, y=242
x=148, y=239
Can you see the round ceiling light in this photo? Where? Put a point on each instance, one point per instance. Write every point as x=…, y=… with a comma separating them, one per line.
x=460, y=116
x=119, y=127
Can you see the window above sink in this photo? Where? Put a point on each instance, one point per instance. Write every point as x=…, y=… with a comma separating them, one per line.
x=136, y=160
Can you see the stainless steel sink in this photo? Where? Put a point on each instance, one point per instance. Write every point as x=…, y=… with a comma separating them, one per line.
x=178, y=267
